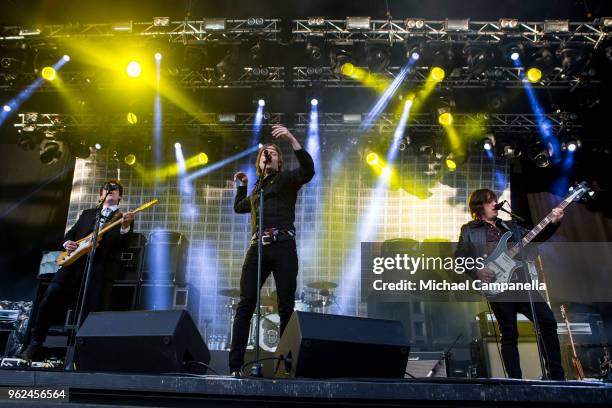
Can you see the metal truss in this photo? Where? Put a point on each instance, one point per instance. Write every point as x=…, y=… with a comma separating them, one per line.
x=186, y=31
x=390, y=31
x=508, y=77
x=477, y=32
x=328, y=122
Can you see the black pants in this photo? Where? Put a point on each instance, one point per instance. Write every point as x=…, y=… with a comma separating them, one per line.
x=281, y=260
x=63, y=289
x=506, y=312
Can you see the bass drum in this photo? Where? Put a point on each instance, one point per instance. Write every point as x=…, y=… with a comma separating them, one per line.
x=269, y=332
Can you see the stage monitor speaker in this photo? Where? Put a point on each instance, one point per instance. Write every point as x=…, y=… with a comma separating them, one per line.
x=318, y=345
x=140, y=341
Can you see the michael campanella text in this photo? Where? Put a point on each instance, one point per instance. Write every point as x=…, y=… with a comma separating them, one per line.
x=443, y=285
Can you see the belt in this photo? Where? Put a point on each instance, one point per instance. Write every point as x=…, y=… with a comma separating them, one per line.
x=271, y=235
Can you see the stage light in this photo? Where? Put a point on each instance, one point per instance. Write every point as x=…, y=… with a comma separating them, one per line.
x=202, y=158
x=445, y=117
x=98, y=146
x=450, y=163
x=347, y=69
x=158, y=56
x=488, y=143
x=66, y=57
x=177, y=145
x=132, y=118
x=51, y=151
x=508, y=23
x=214, y=24
x=161, y=21
x=358, y=23
x=415, y=56
x=372, y=159
x=412, y=23
x=437, y=74
x=314, y=102
x=79, y=148
x=6, y=108
x=510, y=151
x=259, y=145
x=571, y=144
x=541, y=153
x=133, y=69
x=226, y=117
x=462, y=24
x=316, y=21
x=130, y=159
x=378, y=57
x=313, y=50
x=534, y=75
x=478, y=59
x=351, y=118
x=261, y=102
x=48, y=73
x=556, y=26
x=514, y=56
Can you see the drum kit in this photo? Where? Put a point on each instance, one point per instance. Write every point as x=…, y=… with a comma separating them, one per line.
x=318, y=297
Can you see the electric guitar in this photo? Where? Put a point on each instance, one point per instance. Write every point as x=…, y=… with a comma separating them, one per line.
x=502, y=262
x=575, y=361
x=65, y=258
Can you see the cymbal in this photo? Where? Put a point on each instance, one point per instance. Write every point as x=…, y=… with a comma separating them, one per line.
x=230, y=293
x=321, y=285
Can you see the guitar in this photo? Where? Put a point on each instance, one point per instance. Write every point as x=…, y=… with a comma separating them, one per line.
x=65, y=258
x=502, y=261
x=575, y=361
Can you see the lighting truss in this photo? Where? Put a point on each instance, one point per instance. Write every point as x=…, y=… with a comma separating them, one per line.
x=509, y=77
x=390, y=31
x=329, y=122
x=478, y=32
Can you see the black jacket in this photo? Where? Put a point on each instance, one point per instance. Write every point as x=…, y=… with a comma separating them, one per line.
x=107, y=259
x=280, y=195
x=473, y=238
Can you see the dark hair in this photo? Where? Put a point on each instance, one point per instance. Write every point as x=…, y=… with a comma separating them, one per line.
x=478, y=199
x=269, y=146
x=117, y=182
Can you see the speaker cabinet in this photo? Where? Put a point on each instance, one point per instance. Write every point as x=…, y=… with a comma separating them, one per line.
x=140, y=342
x=318, y=345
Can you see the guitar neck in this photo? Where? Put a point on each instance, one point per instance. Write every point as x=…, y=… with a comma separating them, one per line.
x=117, y=222
x=541, y=225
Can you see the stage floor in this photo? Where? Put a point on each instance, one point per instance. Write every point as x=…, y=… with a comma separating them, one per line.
x=109, y=389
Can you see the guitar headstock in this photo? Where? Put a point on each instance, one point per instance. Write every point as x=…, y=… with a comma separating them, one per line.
x=578, y=191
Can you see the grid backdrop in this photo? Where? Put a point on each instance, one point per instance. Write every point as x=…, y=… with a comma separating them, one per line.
x=333, y=213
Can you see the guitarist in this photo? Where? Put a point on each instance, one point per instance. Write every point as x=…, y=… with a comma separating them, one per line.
x=481, y=236
x=67, y=281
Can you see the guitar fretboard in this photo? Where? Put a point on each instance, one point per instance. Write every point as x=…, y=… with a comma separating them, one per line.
x=545, y=221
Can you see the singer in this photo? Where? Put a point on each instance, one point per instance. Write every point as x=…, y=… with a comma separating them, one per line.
x=478, y=238
x=67, y=281
x=279, y=250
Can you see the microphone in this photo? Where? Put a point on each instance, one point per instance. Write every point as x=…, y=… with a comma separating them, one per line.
x=267, y=156
x=499, y=205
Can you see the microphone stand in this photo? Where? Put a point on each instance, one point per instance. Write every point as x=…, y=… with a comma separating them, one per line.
x=257, y=369
x=526, y=275
x=70, y=350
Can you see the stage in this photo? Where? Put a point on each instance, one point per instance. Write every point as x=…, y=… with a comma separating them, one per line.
x=103, y=389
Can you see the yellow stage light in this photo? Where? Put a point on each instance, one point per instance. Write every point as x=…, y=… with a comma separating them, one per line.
x=202, y=158
x=372, y=158
x=48, y=73
x=451, y=165
x=347, y=69
x=445, y=119
x=437, y=74
x=132, y=119
x=534, y=75
x=133, y=69
x=130, y=159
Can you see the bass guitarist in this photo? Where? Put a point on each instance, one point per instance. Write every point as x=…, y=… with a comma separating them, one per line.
x=479, y=238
